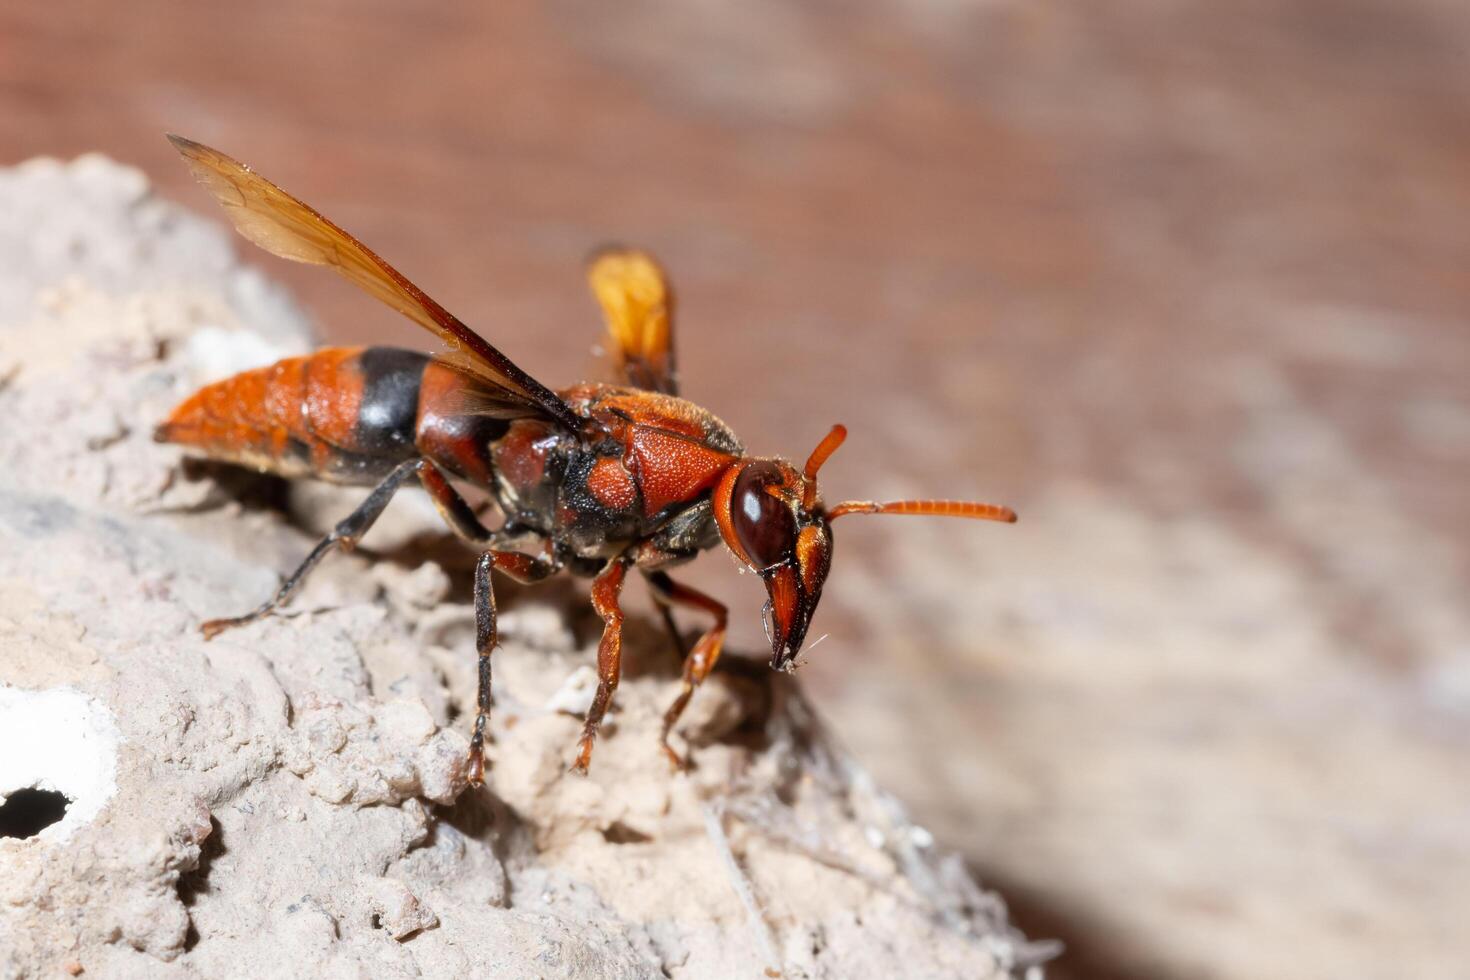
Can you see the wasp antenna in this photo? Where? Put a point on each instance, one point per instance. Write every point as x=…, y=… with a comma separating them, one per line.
x=814, y=462
x=934, y=508
x=824, y=449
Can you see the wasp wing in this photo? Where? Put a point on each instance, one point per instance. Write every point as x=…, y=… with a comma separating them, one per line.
x=291, y=229
x=638, y=305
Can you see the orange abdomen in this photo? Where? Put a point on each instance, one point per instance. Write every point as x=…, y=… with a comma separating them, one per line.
x=336, y=414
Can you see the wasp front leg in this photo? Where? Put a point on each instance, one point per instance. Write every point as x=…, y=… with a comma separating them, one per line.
x=702, y=657
x=606, y=589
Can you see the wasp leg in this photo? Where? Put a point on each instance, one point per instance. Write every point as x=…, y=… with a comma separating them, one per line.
x=605, y=591
x=522, y=568
x=345, y=535
x=701, y=659
x=454, y=509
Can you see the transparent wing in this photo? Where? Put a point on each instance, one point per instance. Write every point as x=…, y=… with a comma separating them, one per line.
x=285, y=226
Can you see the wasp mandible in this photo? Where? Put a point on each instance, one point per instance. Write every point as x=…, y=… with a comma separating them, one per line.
x=594, y=479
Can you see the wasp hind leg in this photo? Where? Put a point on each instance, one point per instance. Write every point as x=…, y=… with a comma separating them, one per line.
x=455, y=511
x=345, y=535
x=461, y=519
x=702, y=656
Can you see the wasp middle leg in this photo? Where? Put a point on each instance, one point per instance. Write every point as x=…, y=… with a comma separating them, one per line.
x=523, y=568
x=702, y=657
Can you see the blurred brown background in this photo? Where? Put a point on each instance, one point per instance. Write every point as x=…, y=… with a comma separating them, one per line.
x=1183, y=282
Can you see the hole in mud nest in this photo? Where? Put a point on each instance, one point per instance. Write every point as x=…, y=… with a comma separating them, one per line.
x=27, y=812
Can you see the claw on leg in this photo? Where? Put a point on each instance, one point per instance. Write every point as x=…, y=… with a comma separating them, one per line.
x=214, y=627
x=475, y=766
x=584, y=755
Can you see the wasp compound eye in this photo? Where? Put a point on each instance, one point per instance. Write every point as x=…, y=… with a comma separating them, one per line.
x=763, y=521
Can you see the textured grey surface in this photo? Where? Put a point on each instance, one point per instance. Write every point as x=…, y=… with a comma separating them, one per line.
x=1182, y=282
x=288, y=798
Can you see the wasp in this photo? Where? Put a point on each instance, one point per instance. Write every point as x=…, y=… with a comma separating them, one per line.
x=595, y=479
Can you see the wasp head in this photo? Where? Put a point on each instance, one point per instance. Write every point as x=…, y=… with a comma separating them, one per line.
x=773, y=520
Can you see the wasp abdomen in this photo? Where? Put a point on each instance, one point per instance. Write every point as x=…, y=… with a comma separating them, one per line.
x=344, y=414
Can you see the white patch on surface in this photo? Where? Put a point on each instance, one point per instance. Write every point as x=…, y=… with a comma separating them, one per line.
x=576, y=692
x=59, y=740
x=217, y=353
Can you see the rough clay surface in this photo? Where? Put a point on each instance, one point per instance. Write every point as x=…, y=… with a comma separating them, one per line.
x=288, y=798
